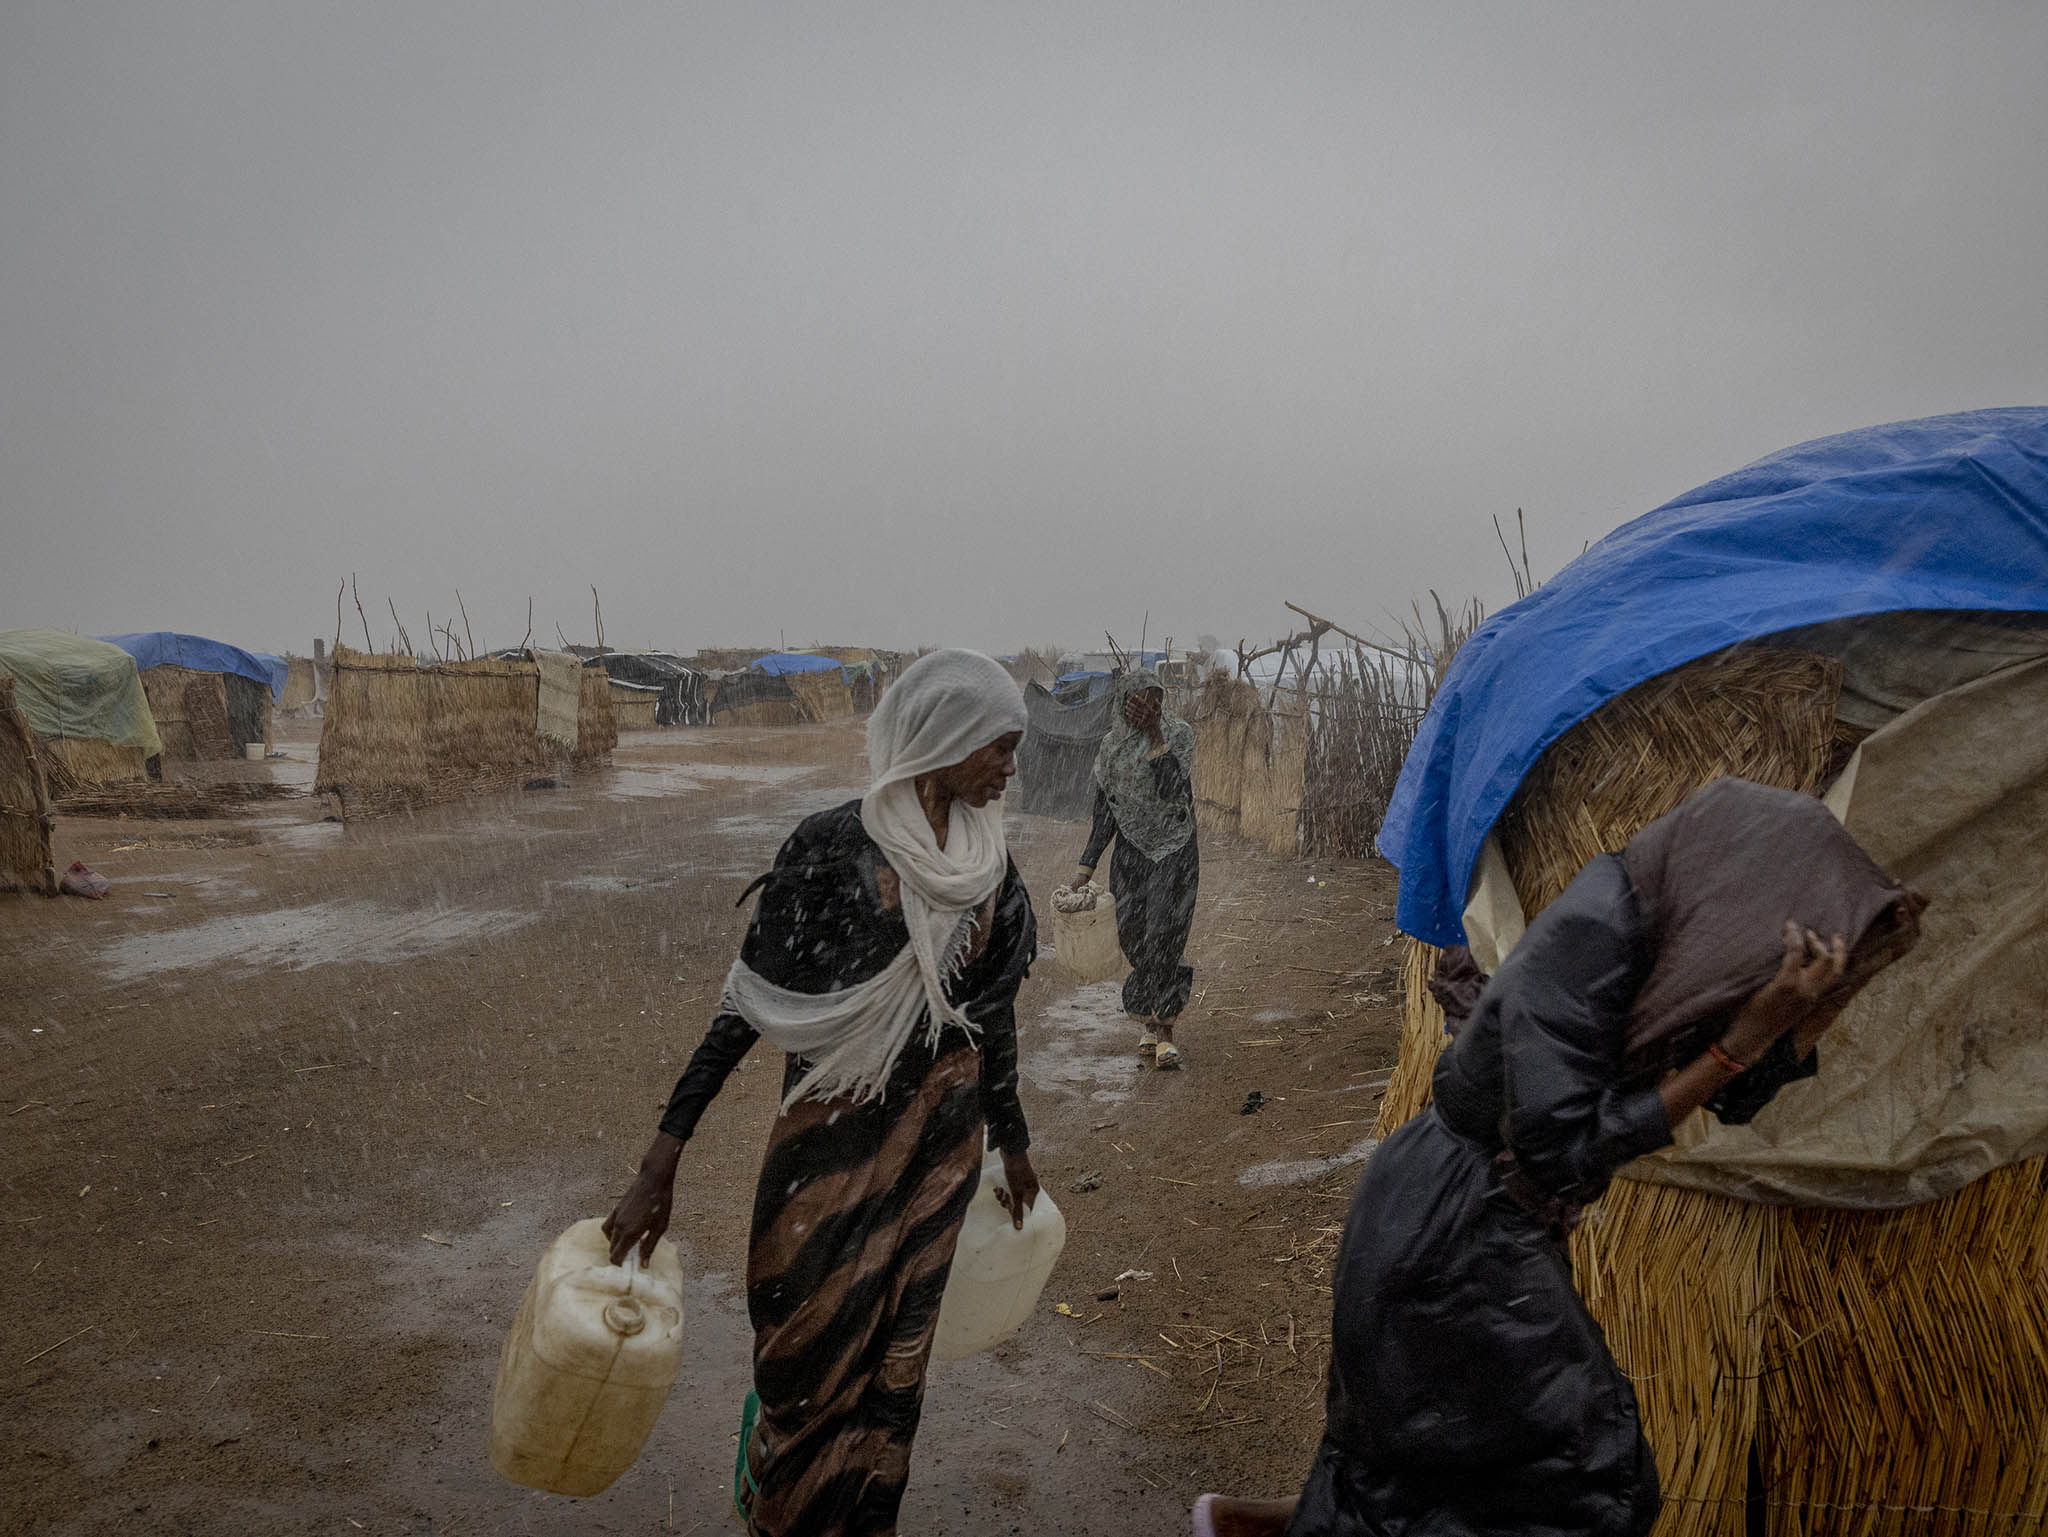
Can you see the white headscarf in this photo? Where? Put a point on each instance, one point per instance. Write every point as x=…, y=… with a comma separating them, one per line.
x=943, y=709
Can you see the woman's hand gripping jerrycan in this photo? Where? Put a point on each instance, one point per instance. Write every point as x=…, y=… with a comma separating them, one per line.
x=998, y=1269
x=588, y=1364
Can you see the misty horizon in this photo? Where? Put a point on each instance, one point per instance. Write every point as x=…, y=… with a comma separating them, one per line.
x=959, y=325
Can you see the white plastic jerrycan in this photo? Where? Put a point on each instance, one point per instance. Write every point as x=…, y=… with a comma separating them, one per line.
x=1084, y=933
x=998, y=1269
x=588, y=1364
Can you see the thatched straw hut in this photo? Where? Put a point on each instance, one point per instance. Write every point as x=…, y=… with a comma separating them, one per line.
x=398, y=732
x=210, y=699
x=25, y=819
x=85, y=702
x=1836, y=1319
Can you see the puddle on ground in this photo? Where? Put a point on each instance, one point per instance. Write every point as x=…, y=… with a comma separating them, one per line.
x=1299, y=1171
x=634, y=782
x=300, y=938
x=609, y=884
x=295, y=833
x=1086, y=1044
x=782, y=825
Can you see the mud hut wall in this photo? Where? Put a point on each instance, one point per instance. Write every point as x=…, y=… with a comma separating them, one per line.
x=25, y=819
x=597, y=729
x=1886, y=1365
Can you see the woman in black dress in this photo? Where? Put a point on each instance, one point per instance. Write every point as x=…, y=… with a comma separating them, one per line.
x=1145, y=801
x=1471, y=1394
x=884, y=957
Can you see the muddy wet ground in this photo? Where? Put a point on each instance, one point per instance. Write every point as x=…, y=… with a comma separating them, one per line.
x=292, y=1114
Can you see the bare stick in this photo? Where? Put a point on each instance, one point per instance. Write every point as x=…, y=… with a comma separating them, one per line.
x=529, y=623
x=561, y=637
x=467, y=637
x=338, y=593
x=1358, y=640
x=597, y=613
x=432, y=644
x=404, y=639
x=368, y=644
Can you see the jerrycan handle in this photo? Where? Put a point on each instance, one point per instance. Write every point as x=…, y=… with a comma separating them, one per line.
x=624, y=1315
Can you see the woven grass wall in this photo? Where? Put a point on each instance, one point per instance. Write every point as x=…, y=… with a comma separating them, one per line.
x=479, y=731
x=71, y=763
x=398, y=733
x=1889, y=1368
x=191, y=710
x=25, y=819
x=597, y=729
x=633, y=709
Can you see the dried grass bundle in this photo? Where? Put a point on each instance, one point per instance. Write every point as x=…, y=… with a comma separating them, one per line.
x=1223, y=714
x=25, y=817
x=148, y=799
x=78, y=763
x=1275, y=757
x=1761, y=714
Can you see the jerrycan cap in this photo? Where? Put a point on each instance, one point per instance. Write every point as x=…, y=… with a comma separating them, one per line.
x=624, y=1316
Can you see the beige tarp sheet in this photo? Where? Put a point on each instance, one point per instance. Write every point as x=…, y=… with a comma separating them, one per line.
x=1939, y=1072
x=561, y=695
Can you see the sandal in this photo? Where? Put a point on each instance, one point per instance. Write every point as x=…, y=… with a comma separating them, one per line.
x=1147, y=1044
x=1167, y=1058
x=743, y=1484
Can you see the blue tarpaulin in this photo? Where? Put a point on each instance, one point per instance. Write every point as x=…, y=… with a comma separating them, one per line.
x=1945, y=513
x=779, y=663
x=167, y=648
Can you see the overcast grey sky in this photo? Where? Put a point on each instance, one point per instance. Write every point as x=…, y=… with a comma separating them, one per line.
x=949, y=323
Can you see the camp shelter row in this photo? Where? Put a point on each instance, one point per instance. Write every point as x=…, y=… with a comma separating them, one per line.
x=79, y=714
x=113, y=709
x=653, y=689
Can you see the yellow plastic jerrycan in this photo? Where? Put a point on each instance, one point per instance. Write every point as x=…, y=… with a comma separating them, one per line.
x=588, y=1364
x=998, y=1271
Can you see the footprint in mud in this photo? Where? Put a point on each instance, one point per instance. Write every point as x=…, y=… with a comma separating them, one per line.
x=1085, y=1044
